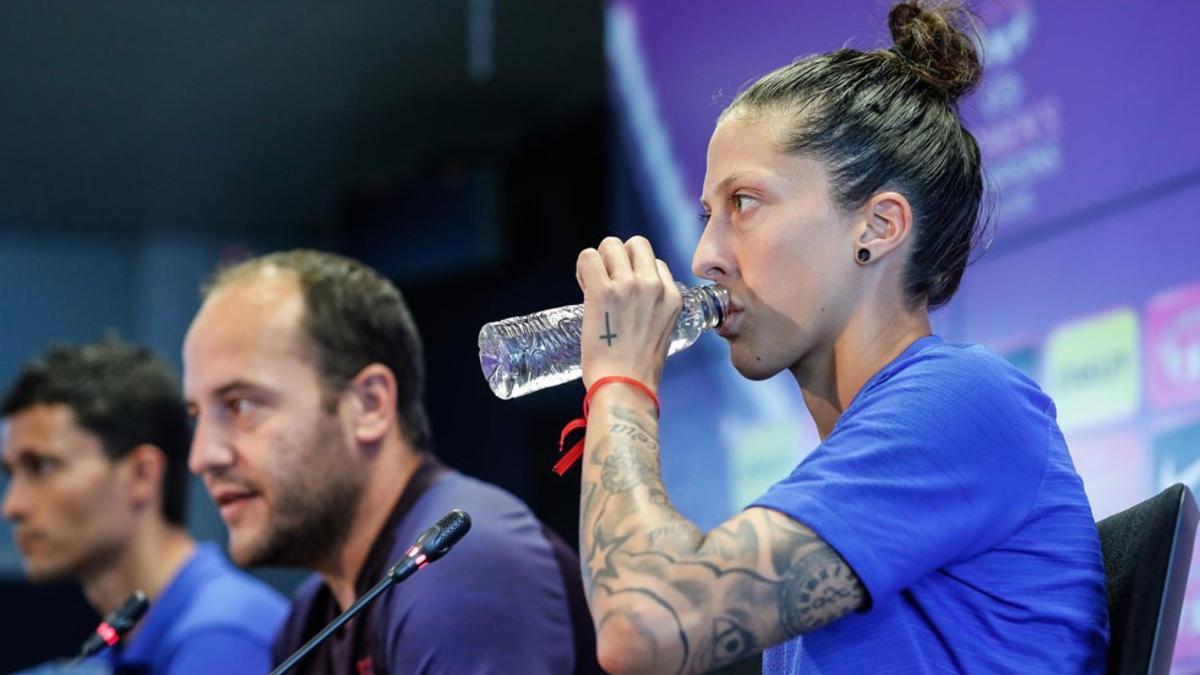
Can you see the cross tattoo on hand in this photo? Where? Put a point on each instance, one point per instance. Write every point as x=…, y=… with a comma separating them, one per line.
x=608, y=336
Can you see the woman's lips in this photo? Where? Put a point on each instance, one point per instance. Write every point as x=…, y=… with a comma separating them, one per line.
x=728, y=327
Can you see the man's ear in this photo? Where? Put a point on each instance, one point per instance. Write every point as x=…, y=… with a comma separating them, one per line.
x=143, y=468
x=373, y=394
x=887, y=220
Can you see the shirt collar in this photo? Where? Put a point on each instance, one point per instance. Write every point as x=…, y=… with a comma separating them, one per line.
x=205, y=563
x=379, y=558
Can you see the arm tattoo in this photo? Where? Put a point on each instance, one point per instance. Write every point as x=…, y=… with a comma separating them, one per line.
x=624, y=472
x=667, y=530
x=818, y=583
x=732, y=642
x=695, y=601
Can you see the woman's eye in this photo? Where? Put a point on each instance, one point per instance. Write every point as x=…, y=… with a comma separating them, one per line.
x=742, y=202
x=704, y=216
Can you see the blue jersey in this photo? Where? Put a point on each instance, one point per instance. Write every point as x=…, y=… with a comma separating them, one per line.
x=947, y=487
x=211, y=618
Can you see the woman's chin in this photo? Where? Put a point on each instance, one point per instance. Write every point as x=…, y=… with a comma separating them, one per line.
x=750, y=365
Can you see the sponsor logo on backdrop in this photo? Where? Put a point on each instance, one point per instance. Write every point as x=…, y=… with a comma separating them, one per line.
x=1177, y=456
x=1092, y=369
x=1173, y=347
x=1020, y=138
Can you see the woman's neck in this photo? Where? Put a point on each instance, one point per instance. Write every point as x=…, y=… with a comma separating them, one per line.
x=831, y=375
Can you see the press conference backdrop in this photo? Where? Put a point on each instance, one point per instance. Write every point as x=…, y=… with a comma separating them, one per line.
x=1091, y=285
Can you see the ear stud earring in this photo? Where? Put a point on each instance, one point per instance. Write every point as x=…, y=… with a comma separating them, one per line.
x=864, y=255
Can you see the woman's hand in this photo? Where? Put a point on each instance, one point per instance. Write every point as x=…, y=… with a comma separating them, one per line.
x=630, y=306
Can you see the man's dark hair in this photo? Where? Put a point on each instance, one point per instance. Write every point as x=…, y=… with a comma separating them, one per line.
x=123, y=394
x=353, y=317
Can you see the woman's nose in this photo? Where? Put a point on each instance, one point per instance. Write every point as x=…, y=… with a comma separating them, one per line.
x=711, y=260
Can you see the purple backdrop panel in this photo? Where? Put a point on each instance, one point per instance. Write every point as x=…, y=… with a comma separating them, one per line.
x=1076, y=108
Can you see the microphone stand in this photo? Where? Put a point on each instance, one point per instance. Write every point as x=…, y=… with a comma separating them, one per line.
x=384, y=584
x=431, y=545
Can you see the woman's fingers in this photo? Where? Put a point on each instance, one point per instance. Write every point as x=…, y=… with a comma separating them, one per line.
x=664, y=273
x=641, y=257
x=620, y=262
x=590, y=270
x=672, y=298
x=616, y=260
x=630, y=304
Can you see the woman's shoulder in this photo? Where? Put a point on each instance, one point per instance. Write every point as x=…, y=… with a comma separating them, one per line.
x=948, y=361
x=961, y=377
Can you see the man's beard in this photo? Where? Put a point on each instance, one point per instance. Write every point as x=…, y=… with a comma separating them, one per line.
x=315, y=504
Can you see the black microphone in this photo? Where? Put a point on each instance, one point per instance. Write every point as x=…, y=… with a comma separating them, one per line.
x=115, y=625
x=433, y=543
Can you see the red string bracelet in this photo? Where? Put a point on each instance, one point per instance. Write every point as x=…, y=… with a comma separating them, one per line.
x=576, y=451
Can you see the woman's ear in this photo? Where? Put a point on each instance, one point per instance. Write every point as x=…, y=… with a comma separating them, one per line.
x=886, y=225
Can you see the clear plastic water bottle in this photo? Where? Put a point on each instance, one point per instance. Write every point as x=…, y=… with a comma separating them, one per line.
x=527, y=353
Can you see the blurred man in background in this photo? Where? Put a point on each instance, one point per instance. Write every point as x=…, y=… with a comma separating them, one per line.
x=304, y=376
x=94, y=444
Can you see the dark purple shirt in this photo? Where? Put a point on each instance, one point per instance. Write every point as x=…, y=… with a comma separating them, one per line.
x=506, y=599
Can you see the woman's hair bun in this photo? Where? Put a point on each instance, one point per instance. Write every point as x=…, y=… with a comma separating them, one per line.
x=939, y=43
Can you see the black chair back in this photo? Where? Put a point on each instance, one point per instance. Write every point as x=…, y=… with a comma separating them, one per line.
x=1147, y=552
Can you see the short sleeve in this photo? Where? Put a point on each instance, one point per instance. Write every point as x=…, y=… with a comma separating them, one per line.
x=931, y=464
